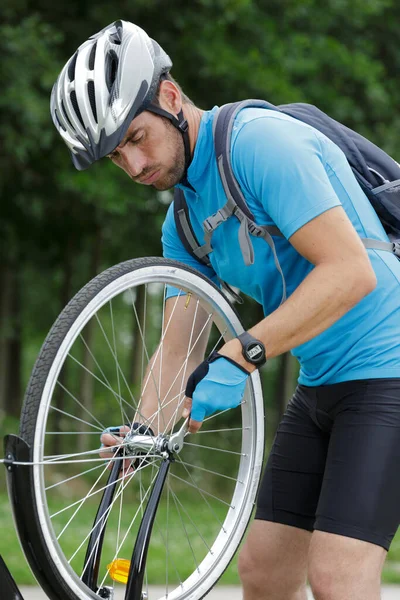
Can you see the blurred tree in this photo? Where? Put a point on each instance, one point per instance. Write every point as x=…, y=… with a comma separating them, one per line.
x=343, y=56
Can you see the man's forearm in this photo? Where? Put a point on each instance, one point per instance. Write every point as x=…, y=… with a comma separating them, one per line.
x=160, y=405
x=325, y=295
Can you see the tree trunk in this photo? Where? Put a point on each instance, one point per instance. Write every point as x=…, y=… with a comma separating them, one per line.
x=137, y=356
x=5, y=328
x=10, y=340
x=59, y=394
x=87, y=381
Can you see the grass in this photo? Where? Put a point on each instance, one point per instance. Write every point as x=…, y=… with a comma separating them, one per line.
x=182, y=555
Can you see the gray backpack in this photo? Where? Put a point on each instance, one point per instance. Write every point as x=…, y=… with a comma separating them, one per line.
x=376, y=172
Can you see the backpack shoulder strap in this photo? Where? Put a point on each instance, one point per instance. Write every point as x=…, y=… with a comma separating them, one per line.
x=222, y=132
x=189, y=240
x=236, y=204
x=186, y=232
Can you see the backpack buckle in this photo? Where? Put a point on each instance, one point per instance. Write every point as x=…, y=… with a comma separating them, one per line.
x=396, y=249
x=253, y=229
x=212, y=222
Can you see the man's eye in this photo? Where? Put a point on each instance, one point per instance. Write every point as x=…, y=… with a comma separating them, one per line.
x=136, y=140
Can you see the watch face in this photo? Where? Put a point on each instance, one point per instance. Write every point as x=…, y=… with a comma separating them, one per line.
x=255, y=351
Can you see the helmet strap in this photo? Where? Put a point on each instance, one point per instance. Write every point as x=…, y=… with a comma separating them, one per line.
x=181, y=124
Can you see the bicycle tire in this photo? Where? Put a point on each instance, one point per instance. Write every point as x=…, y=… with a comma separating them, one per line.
x=97, y=294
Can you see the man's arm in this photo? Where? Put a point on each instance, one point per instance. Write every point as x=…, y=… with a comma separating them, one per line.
x=342, y=276
x=186, y=331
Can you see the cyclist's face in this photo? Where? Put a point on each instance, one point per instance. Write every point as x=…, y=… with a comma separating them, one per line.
x=152, y=152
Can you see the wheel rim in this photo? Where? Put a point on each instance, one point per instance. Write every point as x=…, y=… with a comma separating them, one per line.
x=53, y=482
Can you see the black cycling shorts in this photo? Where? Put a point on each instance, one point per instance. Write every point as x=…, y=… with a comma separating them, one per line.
x=334, y=465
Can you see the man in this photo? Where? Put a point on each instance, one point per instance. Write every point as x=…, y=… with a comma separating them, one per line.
x=329, y=503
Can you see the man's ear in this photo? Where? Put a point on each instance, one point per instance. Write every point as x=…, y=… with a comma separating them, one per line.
x=170, y=98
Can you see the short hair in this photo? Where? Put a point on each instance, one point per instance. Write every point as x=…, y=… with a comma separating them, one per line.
x=168, y=77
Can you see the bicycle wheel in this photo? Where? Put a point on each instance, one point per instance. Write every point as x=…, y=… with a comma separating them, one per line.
x=89, y=375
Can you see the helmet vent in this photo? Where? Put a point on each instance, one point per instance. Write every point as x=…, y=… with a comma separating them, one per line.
x=76, y=107
x=111, y=69
x=71, y=68
x=58, y=120
x=66, y=116
x=115, y=39
x=92, y=56
x=116, y=36
x=92, y=98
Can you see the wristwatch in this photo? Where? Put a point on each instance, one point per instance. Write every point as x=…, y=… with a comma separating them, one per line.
x=253, y=350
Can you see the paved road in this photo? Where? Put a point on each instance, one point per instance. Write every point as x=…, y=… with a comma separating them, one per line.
x=389, y=592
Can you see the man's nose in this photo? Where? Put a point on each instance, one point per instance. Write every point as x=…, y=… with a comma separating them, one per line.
x=133, y=160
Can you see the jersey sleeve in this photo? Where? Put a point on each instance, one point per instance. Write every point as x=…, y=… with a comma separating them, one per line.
x=175, y=250
x=281, y=164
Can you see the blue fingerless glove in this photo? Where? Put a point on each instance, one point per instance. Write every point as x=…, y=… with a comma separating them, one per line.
x=217, y=384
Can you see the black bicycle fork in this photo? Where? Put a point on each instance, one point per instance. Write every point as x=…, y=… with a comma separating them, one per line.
x=19, y=480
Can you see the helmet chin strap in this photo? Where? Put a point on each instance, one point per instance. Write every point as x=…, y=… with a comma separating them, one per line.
x=181, y=124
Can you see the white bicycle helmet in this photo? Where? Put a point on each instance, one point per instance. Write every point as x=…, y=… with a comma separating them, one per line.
x=110, y=79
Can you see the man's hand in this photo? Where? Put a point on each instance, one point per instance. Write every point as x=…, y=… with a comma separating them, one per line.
x=217, y=384
x=111, y=439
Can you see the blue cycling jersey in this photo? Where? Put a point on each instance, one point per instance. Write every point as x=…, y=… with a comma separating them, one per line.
x=290, y=173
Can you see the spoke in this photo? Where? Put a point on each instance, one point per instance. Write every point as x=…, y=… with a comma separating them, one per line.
x=80, y=404
x=212, y=472
x=90, y=494
x=118, y=446
x=199, y=489
x=55, y=458
x=72, y=433
x=144, y=335
x=191, y=520
x=217, y=414
x=134, y=405
x=118, y=396
x=183, y=379
x=219, y=340
x=69, y=462
x=104, y=519
x=222, y=430
x=124, y=418
x=130, y=527
x=187, y=537
x=216, y=449
x=79, y=502
x=142, y=513
x=63, y=412
x=151, y=374
x=106, y=385
x=121, y=497
x=167, y=536
x=49, y=487
x=160, y=370
x=156, y=526
x=183, y=366
x=203, y=497
x=123, y=483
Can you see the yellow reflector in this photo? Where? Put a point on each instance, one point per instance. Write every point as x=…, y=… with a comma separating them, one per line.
x=119, y=570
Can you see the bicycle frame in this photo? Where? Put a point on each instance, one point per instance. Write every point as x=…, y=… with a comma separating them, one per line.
x=8, y=586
